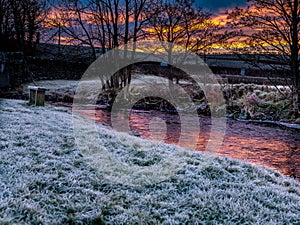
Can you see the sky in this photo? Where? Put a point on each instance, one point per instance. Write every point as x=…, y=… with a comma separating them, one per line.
x=218, y=5
x=212, y=5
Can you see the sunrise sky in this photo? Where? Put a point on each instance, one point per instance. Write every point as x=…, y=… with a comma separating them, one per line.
x=218, y=6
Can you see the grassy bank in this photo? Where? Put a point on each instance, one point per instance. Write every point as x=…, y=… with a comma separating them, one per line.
x=45, y=179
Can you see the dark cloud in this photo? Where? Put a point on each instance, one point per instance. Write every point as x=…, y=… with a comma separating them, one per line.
x=215, y=5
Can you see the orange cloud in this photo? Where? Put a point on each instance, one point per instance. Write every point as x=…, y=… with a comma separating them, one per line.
x=220, y=20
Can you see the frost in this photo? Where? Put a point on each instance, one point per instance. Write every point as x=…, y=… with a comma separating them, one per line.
x=46, y=180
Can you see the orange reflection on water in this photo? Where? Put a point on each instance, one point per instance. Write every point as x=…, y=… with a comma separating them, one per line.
x=276, y=154
x=272, y=147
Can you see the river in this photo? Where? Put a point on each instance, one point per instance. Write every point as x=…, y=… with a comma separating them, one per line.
x=268, y=145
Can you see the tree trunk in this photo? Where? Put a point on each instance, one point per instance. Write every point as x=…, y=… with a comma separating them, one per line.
x=295, y=57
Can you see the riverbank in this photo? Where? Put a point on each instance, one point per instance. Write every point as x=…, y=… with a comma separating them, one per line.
x=243, y=101
x=46, y=179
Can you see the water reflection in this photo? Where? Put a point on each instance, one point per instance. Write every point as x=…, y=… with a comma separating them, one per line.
x=273, y=147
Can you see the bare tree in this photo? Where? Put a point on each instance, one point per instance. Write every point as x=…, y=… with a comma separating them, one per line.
x=20, y=22
x=104, y=24
x=73, y=20
x=183, y=23
x=274, y=31
x=99, y=17
x=167, y=21
x=6, y=24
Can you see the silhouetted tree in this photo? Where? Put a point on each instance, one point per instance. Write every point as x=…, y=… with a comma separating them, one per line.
x=183, y=23
x=104, y=23
x=274, y=31
x=19, y=24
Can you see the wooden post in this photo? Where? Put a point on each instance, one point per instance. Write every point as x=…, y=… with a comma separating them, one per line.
x=36, y=95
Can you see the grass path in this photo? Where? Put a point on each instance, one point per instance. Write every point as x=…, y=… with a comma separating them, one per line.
x=45, y=179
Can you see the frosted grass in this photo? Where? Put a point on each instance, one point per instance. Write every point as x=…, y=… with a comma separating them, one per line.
x=45, y=179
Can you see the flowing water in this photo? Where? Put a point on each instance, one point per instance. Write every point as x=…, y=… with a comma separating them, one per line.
x=271, y=146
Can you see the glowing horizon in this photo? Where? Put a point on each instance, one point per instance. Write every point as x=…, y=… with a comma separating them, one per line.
x=56, y=18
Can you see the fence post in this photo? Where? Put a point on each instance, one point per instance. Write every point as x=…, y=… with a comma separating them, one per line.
x=37, y=95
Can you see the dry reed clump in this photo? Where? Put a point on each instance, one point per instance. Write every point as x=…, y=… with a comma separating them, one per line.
x=259, y=102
